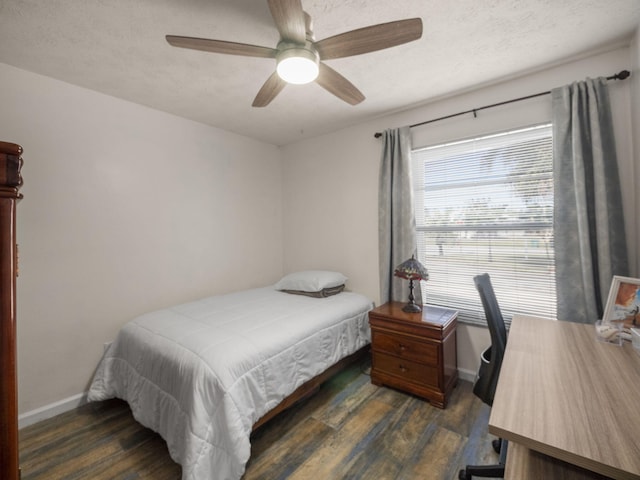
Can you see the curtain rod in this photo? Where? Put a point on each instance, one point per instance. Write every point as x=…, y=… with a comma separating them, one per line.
x=618, y=76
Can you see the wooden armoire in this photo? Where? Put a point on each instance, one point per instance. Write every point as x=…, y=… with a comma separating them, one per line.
x=10, y=182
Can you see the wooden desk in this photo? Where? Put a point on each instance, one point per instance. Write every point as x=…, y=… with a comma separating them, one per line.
x=566, y=395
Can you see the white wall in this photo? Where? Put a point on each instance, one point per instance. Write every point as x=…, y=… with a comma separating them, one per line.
x=125, y=209
x=331, y=181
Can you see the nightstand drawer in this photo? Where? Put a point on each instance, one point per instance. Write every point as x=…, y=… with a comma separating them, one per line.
x=405, y=347
x=405, y=369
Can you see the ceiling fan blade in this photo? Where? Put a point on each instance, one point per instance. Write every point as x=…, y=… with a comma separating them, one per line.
x=220, y=46
x=289, y=18
x=335, y=83
x=271, y=88
x=370, y=39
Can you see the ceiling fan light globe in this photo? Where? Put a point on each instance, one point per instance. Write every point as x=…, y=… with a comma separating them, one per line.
x=298, y=66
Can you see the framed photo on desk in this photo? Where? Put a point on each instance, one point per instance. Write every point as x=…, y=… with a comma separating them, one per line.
x=623, y=303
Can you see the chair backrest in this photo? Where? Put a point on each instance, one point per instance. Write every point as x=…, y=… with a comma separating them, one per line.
x=491, y=362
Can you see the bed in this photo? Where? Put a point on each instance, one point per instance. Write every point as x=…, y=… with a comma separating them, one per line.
x=204, y=373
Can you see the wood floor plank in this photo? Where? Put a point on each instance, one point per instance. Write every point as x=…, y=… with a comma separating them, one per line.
x=384, y=456
x=281, y=459
x=439, y=460
x=393, y=447
x=393, y=398
x=143, y=459
x=76, y=421
x=81, y=446
x=344, y=444
x=315, y=406
x=460, y=415
x=346, y=401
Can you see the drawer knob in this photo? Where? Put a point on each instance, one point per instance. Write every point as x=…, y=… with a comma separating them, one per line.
x=402, y=368
x=402, y=347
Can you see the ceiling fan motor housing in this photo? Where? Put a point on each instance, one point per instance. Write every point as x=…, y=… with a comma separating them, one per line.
x=296, y=63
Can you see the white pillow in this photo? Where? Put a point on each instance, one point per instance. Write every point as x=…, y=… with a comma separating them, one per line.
x=311, y=280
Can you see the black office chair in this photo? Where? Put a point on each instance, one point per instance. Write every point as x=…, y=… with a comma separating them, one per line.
x=488, y=373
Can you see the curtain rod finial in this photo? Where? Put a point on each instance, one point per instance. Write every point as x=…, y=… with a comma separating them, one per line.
x=623, y=74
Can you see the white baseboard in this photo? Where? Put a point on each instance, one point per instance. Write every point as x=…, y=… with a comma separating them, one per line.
x=51, y=410
x=468, y=375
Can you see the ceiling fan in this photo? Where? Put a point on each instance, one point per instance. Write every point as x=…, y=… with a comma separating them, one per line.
x=299, y=57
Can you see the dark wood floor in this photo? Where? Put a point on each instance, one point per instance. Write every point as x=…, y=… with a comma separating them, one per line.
x=350, y=429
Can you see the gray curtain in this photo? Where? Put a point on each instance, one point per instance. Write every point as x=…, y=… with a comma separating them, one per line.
x=396, y=221
x=590, y=245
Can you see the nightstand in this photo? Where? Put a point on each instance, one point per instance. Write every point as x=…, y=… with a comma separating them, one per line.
x=415, y=352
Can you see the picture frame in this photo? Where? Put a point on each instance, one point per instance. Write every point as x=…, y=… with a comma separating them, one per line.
x=623, y=303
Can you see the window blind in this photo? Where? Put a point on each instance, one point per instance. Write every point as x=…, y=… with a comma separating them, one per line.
x=486, y=205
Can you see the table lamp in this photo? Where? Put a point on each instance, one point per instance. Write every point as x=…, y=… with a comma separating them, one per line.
x=411, y=270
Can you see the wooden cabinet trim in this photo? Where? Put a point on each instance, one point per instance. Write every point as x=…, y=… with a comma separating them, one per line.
x=10, y=182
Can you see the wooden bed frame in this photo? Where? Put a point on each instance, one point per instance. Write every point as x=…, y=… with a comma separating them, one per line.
x=311, y=386
x=10, y=182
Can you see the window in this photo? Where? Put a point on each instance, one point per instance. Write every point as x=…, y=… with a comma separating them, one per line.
x=486, y=205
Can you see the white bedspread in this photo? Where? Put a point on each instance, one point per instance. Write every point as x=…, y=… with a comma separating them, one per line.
x=202, y=373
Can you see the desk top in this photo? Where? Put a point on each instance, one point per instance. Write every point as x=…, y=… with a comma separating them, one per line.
x=564, y=394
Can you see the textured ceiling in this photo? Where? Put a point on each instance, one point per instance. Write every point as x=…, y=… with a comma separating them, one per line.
x=117, y=47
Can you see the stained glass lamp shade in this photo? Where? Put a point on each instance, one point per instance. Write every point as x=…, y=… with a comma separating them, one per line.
x=411, y=270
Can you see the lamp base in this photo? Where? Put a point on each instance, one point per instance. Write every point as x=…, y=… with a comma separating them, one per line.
x=412, y=308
